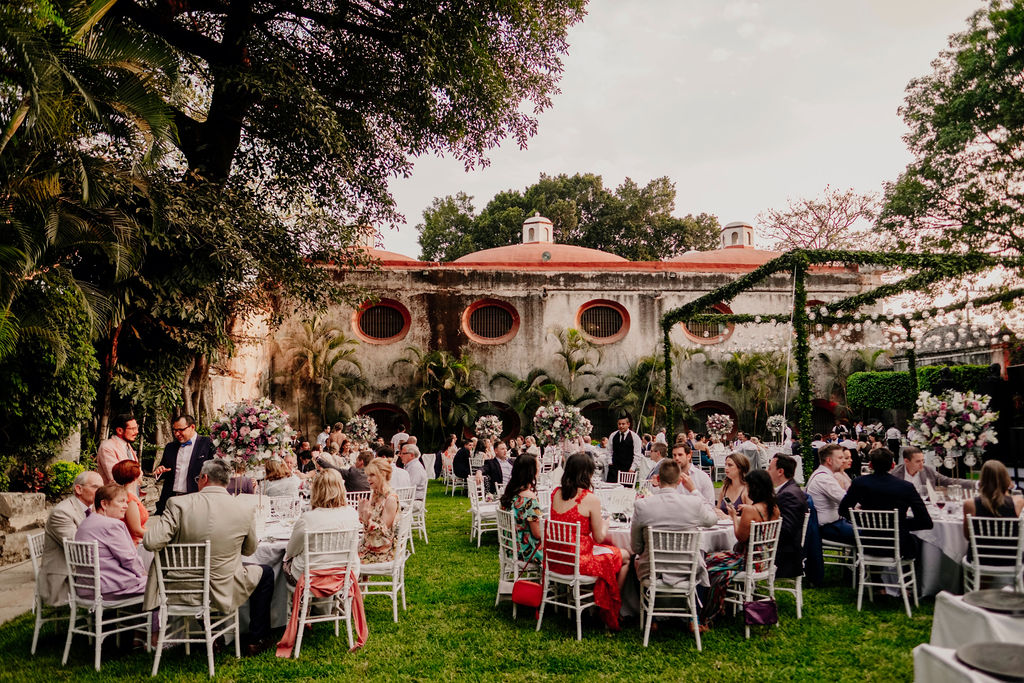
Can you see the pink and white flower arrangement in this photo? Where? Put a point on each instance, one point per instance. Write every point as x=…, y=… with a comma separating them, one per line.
x=251, y=431
x=719, y=425
x=776, y=424
x=953, y=423
x=559, y=422
x=489, y=427
x=362, y=429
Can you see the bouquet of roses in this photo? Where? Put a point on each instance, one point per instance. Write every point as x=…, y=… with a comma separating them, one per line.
x=251, y=431
x=953, y=423
x=776, y=424
x=362, y=429
x=719, y=425
x=488, y=427
x=559, y=422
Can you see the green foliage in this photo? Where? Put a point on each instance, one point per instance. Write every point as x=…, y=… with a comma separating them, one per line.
x=965, y=377
x=442, y=397
x=879, y=391
x=640, y=393
x=42, y=401
x=964, y=188
x=61, y=476
x=634, y=222
x=757, y=381
x=530, y=392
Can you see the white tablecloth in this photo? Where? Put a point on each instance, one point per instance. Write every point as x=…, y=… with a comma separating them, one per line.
x=270, y=552
x=943, y=548
x=712, y=540
x=939, y=665
x=956, y=623
x=428, y=463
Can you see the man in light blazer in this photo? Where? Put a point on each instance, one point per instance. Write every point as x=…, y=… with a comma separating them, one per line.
x=914, y=470
x=118, y=447
x=182, y=461
x=61, y=523
x=228, y=522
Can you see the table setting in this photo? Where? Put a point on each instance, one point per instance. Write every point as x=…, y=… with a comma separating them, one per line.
x=944, y=544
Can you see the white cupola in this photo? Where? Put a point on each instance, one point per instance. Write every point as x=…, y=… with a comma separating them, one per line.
x=738, y=235
x=536, y=228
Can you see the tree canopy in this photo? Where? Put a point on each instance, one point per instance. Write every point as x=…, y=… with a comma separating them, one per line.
x=632, y=221
x=965, y=187
x=838, y=219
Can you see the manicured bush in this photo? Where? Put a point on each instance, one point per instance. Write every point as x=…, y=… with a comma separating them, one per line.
x=965, y=377
x=61, y=477
x=879, y=390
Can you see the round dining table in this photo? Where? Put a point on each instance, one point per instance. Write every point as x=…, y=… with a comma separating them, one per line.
x=942, y=549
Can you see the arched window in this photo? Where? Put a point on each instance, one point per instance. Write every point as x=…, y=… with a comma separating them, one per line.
x=490, y=321
x=602, y=321
x=710, y=332
x=383, y=322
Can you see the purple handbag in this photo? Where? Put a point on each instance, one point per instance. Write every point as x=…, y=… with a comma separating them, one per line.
x=760, y=613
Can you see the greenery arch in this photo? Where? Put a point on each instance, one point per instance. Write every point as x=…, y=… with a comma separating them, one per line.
x=927, y=269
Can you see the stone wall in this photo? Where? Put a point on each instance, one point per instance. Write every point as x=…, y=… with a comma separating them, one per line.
x=21, y=515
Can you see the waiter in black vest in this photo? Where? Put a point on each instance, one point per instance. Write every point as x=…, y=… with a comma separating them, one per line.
x=625, y=445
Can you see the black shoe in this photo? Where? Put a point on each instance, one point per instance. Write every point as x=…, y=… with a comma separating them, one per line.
x=258, y=647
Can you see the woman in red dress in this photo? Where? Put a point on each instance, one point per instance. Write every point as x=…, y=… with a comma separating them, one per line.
x=574, y=502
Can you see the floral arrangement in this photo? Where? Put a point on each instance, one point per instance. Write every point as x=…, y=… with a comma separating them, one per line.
x=776, y=424
x=719, y=425
x=489, y=427
x=953, y=423
x=559, y=422
x=362, y=429
x=251, y=431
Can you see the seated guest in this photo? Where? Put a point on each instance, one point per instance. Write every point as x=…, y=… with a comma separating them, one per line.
x=305, y=462
x=701, y=446
x=329, y=511
x=127, y=474
x=399, y=477
x=573, y=501
x=355, y=476
x=914, y=470
x=240, y=483
x=825, y=490
x=61, y=523
x=121, y=571
x=379, y=515
x=460, y=464
x=993, y=499
x=733, y=493
x=520, y=497
x=793, y=508
x=669, y=510
x=882, y=491
x=410, y=459
x=723, y=566
x=496, y=470
x=845, y=463
x=190, y=519
x=659, y=451
x=279, y=480
x=692, y=480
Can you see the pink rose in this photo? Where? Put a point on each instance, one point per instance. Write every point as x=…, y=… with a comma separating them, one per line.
x=223, y=435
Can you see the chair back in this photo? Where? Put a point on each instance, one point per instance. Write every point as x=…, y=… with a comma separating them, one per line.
x=476, y=492
x=627, y=478
x=82, y=559
x=761, y=547
x=35, y=551
x=803, y=531
x=562, y=547
x=508, y=545
x=644, y=468
x=476, y=462
x=674, y=554
x=996, y=541
x=405, y=495
x=876, y=533
x=447, y=462
x=183, y=577
x=331, y=550
x=404, y=532
x=354, y=498
x=284, y=507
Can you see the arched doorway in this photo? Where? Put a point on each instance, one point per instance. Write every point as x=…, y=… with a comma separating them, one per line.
x=706, y=409
x=511, y=425
x=823, y=415
x=600, y=417
x=390, y=419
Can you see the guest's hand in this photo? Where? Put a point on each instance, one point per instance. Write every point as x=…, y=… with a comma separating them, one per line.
x=687, y=481
x=160, y=470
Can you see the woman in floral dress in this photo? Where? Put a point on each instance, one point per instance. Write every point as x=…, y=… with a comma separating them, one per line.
x=379, y=515
x=521, y=498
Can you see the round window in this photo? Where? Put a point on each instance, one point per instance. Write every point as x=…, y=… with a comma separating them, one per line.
x=709, y=332
x=383, y=322
x=490, y=321
x=603, y=321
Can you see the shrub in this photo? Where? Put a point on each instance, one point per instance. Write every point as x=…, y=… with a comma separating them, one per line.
x=61, y=477
x=879, y=390
x=965, y=377
x=27, y=479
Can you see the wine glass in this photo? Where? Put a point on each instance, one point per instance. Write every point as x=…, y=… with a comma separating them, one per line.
x=940, y=500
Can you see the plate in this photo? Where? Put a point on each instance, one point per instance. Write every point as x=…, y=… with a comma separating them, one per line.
x=1002, y=660
x=724, y=522
x=1004, y=602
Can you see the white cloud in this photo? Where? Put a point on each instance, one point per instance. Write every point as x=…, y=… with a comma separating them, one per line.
x=741, y=10
x=746, y=29
x=720, y=54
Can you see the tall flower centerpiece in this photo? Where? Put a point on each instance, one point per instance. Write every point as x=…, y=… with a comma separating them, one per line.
x=719, y=425
x=776, y=424
x=362, y=429
x=953, y=424
x=488, y=427
x=251, y=431
x=558, y=422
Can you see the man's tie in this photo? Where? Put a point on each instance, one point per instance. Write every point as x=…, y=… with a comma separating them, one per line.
x=187, y=443
x=88, y=511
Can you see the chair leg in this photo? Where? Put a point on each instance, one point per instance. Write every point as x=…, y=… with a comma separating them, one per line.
x=649, y=607
x=208, y=634
x=303, y=608
x=540, y=613
x=98, y=626
x=799, y=597
x=903, y=592
x=579, y=611
x=694, y=620
x=37, y=605
x=162, y=625
x=72, y=619
x=860, y=586
x=238, y=638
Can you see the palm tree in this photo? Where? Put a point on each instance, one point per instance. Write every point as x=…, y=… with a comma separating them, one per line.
x=580, y=358
x=640, y=393
x=755, y=380
x=531, y=392
x=837, y=368
x=441, y=396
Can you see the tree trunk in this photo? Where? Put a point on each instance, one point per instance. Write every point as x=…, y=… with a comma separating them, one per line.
x=108, y=388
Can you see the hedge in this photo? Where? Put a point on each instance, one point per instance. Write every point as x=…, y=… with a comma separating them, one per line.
x=892, y=390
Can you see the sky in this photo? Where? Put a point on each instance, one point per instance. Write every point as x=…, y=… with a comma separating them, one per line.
x=744, y=105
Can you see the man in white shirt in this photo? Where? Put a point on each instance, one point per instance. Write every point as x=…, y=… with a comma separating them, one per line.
x=818, y=443
x=692, y=480
x=411, y=464
x=750, y=449
x=118, y=447
x=321, y=439
x=660, y=437
x=892, y=440
x=398, y=439
x=625, y=449
x=825, y=491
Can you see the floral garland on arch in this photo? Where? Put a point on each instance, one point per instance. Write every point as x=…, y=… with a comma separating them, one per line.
x=559, y=422
x=719, y=425
x=776, y=424
x=488, y=427
x=951, y=424
x=362, y=429
x=251, y=431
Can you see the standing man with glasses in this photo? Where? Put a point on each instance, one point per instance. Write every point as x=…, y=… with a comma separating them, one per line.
x=182, y=461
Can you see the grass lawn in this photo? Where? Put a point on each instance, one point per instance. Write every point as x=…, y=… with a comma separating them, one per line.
x=452, y=631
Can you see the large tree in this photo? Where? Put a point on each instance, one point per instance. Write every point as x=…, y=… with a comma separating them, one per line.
x=632, y=221
x=965, y=187
x=838, y=219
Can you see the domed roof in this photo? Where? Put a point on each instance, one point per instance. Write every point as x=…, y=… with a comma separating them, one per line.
x=729, y=258
x=386, y=257
x=539, y=254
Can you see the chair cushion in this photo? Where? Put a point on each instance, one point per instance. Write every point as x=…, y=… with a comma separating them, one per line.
x=378, y=568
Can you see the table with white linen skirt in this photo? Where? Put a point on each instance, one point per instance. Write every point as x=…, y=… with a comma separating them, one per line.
x=943, y=548
x=712, y=540
x=957, y=623
x=939, y=665
x=270, y=551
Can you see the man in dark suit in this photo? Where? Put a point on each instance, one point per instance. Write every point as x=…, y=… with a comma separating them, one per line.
x=882, y=491
x=182, y=461
x=498, y=469
x=460, y=463
x=792, y=507
x=354, y=476
x=625, y=445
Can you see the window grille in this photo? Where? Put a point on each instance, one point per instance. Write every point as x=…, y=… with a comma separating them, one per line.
x=601, y=322
x=381, y=322
x=708, y=330
x=491, y=322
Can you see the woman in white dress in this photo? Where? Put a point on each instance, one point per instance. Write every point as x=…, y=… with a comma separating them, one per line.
x=329, y=511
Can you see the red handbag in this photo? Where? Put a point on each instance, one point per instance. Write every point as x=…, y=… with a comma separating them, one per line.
x=526, y=593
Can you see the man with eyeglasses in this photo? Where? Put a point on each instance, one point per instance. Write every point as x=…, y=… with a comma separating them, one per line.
x=61, y=523
x=182, y=461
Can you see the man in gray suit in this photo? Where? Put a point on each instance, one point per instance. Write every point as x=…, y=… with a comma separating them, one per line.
x=229, y=523
x=61, y=523
x=914, y=470
x=668, y=510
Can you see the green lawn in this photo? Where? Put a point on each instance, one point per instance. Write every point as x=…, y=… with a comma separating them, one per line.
x=452, y=631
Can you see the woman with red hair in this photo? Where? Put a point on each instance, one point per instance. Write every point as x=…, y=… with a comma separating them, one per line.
x=126, y=474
